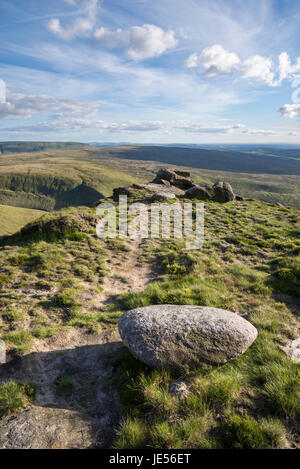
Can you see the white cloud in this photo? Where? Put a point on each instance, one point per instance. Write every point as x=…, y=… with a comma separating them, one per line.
x=286, y=69
x=258, y=68
x=139, y=42
x=291, y=111
x=21, y=106
x=215, y=61
x=81, y=26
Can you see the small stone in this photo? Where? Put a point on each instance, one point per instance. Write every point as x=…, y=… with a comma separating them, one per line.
x=179, y=389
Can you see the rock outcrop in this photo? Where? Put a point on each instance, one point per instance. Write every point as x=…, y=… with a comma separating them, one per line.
x=177, y=178
x=185, y=337
x=180, y=183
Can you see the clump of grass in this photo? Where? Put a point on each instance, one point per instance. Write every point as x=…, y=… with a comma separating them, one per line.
x=13, y=315
x=286, y=277
x=133, y=434
x=65, y=385
x=22, y=341
x=15, y=396
x=44, y=332
x=244, y=432
x=67, y=298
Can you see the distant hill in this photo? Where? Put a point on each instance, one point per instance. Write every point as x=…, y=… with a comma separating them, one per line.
x=217, y=160
x=24, y=147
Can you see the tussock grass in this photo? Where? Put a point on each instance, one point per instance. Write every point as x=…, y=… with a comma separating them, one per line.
x=15, y=396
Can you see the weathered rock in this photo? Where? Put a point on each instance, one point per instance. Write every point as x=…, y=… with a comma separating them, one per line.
x=180, y=337
x=180, y=172
x=163, y=196
x=223, y=192
x=183, y=183
x=2, y=352
x=199, y=192
x=151, y=187
x=239, y=198
x=166, y=175
x=175, y=177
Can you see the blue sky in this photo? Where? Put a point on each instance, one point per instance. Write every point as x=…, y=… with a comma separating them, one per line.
x=157, y=71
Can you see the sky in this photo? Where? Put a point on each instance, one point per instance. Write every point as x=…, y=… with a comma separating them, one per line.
x=150, y=71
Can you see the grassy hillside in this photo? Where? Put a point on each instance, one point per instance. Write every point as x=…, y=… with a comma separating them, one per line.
x=55, y=273
x=24, y=147
x=51, y=180
x=12, y=219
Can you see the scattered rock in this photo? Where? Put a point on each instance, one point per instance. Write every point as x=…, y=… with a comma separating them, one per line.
x=2, y=352
x=181, y=337
x=179, y=389
x=257, y=219
x=163, y=196
x=178, y=182
x=278, y=204
x=223, y=192
x=239, y=198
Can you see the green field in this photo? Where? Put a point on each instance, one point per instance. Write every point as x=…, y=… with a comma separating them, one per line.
x=12, y=219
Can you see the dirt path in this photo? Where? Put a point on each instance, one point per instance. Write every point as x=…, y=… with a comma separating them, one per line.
x=127, y=274
x=87, y=414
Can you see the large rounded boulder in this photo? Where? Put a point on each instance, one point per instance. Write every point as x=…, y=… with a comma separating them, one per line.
x=200, y=192
x=223, y=192
x=185, y=337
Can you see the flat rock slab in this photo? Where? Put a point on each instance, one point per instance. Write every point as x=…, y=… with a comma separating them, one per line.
x=161, y=188
x=85, y=416
x=180, y=337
